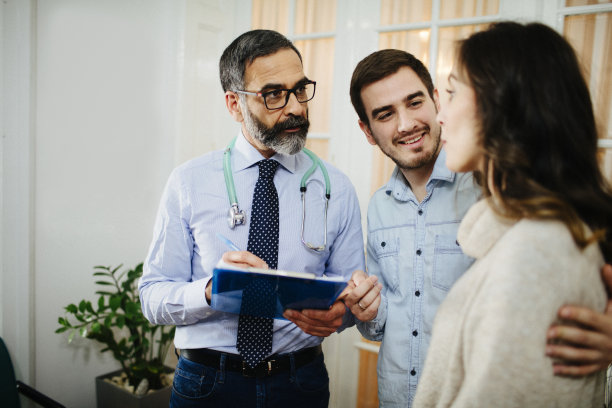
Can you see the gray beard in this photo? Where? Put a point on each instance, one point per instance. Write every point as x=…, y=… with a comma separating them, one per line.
x=272, y=138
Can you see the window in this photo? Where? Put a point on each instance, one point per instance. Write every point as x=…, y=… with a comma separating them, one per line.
x=587, y=24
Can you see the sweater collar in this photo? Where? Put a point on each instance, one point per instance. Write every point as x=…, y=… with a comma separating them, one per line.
x=481, y=228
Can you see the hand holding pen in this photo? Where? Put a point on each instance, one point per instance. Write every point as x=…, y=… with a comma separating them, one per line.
x=240, y=257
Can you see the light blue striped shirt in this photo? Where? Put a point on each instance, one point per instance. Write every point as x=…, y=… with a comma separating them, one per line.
x=412, y=248
x=185, y=249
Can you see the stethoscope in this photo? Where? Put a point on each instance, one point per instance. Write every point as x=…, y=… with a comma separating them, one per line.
x=238, y=216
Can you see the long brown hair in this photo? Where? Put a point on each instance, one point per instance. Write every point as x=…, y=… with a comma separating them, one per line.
x=538, y=129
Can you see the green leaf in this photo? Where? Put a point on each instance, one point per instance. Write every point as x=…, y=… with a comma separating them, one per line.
x=104, y=283
x=71, y=308
x=83, y=306
x=71, y=336
x=100, y=303
x=101, y=274
x=83, y=331
x=120, y=321
x=132, y=307
x=62, y=329
x=96, y=327
x=114, y=302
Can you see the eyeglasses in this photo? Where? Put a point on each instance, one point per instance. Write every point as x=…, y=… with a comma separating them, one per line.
x=278, y=98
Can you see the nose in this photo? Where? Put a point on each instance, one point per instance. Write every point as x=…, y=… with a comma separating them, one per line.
x=440, y=116
x=406, y=122
x=294, y=107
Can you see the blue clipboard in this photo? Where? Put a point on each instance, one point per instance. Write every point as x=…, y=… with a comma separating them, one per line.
x=292, y=290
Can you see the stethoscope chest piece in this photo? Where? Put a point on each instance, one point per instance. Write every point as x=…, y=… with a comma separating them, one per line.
x=236, y=216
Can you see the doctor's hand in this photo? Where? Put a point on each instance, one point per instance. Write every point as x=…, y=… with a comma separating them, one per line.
x=362, y=296
x=243, y=259
x=317, y=322
x=587, y=348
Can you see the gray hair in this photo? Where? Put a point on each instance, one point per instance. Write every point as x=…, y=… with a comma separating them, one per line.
x=244, y=50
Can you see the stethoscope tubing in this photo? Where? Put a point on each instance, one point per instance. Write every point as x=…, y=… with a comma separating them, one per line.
x=238, y=217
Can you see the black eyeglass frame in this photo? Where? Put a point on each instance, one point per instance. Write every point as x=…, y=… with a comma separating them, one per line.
x=289, y=92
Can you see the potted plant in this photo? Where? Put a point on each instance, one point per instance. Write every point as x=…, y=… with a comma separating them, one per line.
x=116, y=320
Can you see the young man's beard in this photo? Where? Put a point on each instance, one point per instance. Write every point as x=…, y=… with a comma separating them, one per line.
x=413, y=163
x=272, y=137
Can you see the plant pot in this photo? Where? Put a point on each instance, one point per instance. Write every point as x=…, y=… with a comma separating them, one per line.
x=109, y=395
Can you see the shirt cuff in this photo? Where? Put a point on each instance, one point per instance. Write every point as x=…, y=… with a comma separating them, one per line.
x=195, y=299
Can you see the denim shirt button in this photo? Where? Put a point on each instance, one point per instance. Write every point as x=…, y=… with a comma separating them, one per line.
x=419, y=252
x=417, y=293
x=413, y=372
x=415, y=333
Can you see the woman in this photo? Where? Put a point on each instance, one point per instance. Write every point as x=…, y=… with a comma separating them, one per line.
x=519, y=115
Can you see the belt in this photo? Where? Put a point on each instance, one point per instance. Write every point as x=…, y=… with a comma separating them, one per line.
x=272, y=365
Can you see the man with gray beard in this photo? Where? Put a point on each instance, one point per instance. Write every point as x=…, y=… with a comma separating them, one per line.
x=267, y=92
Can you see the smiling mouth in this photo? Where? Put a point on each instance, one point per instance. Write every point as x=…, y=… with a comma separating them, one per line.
x=413, y=139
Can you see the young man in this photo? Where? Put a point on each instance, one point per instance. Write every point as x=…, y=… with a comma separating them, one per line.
x=412, y=228
x=266, y=91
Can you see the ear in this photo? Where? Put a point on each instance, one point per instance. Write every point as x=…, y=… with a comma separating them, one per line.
x=436, y=99
x=233, y=105
x=368, y=133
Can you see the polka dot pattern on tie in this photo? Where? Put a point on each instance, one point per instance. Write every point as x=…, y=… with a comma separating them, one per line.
x=254, y=340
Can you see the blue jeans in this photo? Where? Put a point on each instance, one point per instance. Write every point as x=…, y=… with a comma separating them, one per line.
x=197, y=385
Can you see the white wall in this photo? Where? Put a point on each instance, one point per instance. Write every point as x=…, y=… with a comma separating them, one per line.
x=105, y=128
x=95, y=114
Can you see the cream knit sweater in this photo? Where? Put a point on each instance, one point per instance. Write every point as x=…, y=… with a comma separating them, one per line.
x=489, y=335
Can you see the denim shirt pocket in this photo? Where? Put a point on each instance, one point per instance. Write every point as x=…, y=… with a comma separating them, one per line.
x=449, y=262
x=385, y=248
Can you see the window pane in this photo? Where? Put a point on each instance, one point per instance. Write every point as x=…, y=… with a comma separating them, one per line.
x=571, y=3
x=415, y=42
x=402, y=11
x=468, y=8
x=271, y=15
x=318, y=57
x=591, y=36
x=314, y=16
x=320, y=147
x=447, y=38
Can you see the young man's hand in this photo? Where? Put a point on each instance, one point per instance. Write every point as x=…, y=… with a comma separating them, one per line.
x=587, y=348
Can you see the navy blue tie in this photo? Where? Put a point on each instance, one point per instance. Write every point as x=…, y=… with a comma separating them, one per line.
x=254, y=340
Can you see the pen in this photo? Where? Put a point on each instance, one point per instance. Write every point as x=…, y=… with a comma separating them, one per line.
x=227, y=242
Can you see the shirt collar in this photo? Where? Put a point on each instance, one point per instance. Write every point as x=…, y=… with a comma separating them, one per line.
x=398, y=186
x=245, y=155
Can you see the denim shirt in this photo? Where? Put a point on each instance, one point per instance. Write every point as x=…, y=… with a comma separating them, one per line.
x=412, y=248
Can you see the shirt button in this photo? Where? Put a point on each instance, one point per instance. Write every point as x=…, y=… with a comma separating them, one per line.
x=413, y=372
x=420, y=212
x=419, y=252
x=417, y=293
x=382, y=244
x=415, y=333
